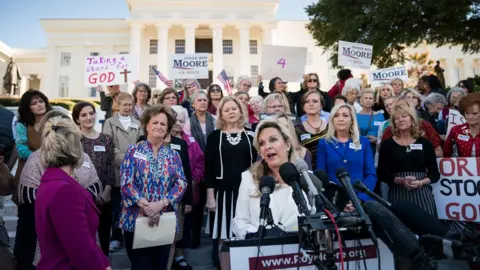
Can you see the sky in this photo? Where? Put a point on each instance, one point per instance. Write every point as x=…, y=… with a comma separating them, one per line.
x=20, y=26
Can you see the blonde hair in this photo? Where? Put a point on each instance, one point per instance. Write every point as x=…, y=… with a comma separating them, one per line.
x=122, y=97
x=61, y=143
x=277, y=95
x=260, y=168
x=397, y=80
x=379, y=89
x=220, y=123
x=189, y=82
x=293, y=134
x=408, y=109
x=306, y=77
x=414, y=93
x=354, y=131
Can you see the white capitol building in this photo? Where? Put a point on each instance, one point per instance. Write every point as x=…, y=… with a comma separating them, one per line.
x=231, y=31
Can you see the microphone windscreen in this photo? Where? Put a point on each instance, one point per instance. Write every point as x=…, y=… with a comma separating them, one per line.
x=398, y=238
x=267, y=181
x=359, y=185
x=340, y=172
x=289, y=173
x=301, y=165
x=418, y=220
x=322, y=176
x=303, y=184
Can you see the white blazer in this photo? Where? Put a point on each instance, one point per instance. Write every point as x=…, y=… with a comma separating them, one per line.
x=247, y=213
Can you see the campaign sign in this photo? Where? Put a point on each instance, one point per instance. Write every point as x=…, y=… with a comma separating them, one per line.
x=189, y=66
x=454, y=118
x=109, y=70
x=288, y=63
x=385, y=75
x=457, y=191
x=354, y=54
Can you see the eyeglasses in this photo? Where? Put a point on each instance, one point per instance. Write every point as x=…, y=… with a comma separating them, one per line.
x=276, y=107
x=312, y=80
x=246, y=85
x=216, y=89
x=156, y=96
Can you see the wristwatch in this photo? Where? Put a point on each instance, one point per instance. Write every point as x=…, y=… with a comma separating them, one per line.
x=165, y=202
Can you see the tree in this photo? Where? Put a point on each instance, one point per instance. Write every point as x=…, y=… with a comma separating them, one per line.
x=391, y=26
x=421, y=65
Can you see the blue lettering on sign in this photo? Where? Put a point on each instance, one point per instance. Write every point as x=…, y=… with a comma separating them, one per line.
x=355, y=53
x=189, y=65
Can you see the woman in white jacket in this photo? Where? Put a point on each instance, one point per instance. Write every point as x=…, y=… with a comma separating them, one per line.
x=275, y=146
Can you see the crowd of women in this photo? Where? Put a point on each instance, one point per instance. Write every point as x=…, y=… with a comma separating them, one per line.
x=80, y=191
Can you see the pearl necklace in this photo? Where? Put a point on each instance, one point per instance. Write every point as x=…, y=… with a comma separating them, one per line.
x=234, y=140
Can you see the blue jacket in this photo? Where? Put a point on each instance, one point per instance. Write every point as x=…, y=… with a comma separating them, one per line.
x=358, y=161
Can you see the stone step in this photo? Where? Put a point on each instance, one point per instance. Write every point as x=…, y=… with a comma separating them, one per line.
x=10, y=223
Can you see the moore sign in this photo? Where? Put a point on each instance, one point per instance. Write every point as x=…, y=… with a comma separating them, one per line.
x=385, y=75
x=354, y=54
x=189, y=66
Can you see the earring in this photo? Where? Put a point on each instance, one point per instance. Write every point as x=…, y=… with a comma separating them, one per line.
x=351, y=129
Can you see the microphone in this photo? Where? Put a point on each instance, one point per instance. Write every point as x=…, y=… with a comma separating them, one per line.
x=360, y=186
x=419, y=221
x=290, y=176
x=302, y=167
x=266, y=187
x=332, y=191
x=320, y=181
x=342, y=175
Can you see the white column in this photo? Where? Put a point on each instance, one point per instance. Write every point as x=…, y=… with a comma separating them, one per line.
x=162, y=52
x=244, y=32
x=135, y=48
x=450, y=72
x=267, y=34
x=23, y=84
x=190, y=29
x=217, y=34
x=468, y=65
x=49, y=83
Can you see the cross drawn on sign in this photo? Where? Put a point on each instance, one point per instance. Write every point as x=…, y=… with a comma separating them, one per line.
x=125, y=74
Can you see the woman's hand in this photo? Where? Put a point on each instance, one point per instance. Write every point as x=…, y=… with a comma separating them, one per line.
x=100, y=88
x=154, y=208
x=142, y=203
x=399, y=180
x=349, y=207
x=211, y=204
x=188, y=209
x=154, y=220
x=108, y=268
x=372, y=139
x=105, y=196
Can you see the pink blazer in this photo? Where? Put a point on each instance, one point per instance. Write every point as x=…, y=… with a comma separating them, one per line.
x=66, y=221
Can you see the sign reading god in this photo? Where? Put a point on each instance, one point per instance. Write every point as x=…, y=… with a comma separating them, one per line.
x=354, y=54
x=109, y=70
x=288, y=63
x=189, y=66
x=385, y=75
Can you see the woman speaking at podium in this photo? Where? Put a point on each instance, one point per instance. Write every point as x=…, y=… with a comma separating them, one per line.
x=275, y=146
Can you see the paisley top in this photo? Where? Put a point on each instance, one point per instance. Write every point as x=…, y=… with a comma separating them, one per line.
x=152, y=178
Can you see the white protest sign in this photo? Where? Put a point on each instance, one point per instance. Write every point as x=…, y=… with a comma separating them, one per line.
x=456, y=193
x=189, y=66
x=109, y=70
x=354, y=54
x=385, y=75
x=288, y=63
x=454, y=118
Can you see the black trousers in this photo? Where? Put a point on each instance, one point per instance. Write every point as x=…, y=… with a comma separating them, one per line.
x=104, y=227
x=116, y=204
x=152, y=258
x=26, y=237
x=197, y=223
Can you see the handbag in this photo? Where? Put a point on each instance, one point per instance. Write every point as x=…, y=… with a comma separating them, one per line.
x=145, y=236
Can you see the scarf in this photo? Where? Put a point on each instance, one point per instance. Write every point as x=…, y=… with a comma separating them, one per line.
x=196, y=129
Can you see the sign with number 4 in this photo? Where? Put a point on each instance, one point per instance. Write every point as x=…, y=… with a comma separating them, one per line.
x=288, y=63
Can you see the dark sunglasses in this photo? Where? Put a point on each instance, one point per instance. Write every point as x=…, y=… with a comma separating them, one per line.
x=156, y=96
x=312, y=80
x=216, y=89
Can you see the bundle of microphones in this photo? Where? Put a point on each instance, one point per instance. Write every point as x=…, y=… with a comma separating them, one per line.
x=407, y=230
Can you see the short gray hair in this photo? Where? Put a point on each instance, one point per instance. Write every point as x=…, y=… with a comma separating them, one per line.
x=61, y=143
x=435, y=98
x=180, y=111
x=196, y=94
x=255, y=98
x=350, y=85
x=456, y=89
x=244, y=78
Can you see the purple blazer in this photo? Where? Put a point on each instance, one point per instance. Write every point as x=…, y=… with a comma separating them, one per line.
x=66, y=221
x=197, y=165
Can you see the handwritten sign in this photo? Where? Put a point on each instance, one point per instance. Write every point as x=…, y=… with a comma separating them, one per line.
x=288, y=63
x=189, y=66
x=454, y=118
x=109, y=70
x=385, y=75
x=354, y=54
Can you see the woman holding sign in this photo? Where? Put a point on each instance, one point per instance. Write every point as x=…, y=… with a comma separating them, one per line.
x=407, y=161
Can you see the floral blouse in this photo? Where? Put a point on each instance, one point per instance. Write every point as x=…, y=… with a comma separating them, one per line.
x=144, y=176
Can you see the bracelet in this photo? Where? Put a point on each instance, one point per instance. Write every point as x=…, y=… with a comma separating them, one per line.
x=165, y=202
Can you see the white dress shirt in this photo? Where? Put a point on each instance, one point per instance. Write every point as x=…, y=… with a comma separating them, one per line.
x=247, y=214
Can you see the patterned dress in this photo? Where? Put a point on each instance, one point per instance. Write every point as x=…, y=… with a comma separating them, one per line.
x=152, y=178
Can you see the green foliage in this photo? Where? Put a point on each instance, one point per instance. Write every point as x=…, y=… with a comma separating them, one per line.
x=476, y=84
x=421, y=65
x=391, y=26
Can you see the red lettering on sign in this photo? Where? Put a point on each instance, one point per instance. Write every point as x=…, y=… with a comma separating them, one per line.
x=441, y=166
x=95, y=78
x=462, y=167
x=458, y=165
x=454, y=213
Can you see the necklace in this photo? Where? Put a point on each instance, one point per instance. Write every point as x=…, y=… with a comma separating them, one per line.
x=234, y=140
x=317, y=129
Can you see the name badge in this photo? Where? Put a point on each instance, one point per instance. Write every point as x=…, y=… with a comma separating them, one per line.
x=135, y=126
x=416, y=146
x=99, y=148
x=140, y=156
x=464, y=138
x=251, y=133
x=176, y=146
x=86, y=164
x=192, y=139
x=377, y=123
x=304, y=137
x=354, y=146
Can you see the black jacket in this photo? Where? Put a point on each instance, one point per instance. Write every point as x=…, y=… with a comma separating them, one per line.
x=183, y=152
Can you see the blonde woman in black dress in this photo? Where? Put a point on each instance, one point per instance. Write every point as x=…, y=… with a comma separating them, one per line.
x=229, y=152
